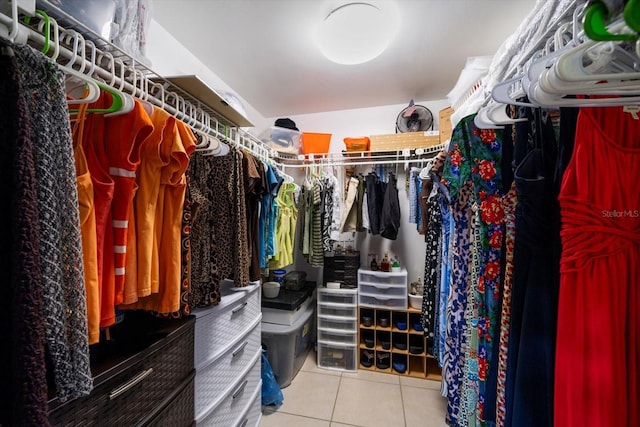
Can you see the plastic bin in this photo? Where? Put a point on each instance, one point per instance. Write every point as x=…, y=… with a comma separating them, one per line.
x=315, y=143
x=282, y=140
x=287, y=346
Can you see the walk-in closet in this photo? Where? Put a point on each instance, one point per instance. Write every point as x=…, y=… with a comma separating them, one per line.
x=379, y=213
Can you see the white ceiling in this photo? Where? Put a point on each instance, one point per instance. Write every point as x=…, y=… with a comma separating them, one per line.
x=263, y=49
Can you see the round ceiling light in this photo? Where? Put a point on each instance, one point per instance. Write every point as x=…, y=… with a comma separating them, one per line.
x=357, y=32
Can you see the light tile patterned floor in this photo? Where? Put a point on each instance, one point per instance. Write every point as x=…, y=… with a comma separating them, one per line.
x=322, y=398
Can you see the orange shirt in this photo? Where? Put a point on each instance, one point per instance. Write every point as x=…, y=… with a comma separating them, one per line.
x=124, y=136
x=168, y=222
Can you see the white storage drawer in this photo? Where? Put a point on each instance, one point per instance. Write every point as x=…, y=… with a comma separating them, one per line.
x=213, y=380
x=252, y=414
x=236, y=400
x=382, y=277
x=336, y=322
x=218, y=328
x=384, y=290
x=337, y=337
x=339, y=310
x=381, y=301
x=337, y=357
x=338, y=296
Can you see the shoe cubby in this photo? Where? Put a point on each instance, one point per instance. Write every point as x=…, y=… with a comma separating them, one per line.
x=383, y=340
x=392, y=341
x=368, y=338
x=415, y=325
x=383, y=319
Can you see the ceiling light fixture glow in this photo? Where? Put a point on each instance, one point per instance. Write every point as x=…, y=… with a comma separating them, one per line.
x=358, y=32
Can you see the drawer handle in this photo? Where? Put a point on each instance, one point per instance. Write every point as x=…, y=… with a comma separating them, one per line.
x=240, y=389
x=239, y=350
x=129, y=384
x=242, y=307
x=244, y=423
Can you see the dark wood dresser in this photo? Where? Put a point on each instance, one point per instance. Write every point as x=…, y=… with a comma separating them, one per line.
x=143, y=376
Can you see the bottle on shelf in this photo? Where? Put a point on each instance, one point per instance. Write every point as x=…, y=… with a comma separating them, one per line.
x=374, y=263
x=384, y=264
x=395, y=265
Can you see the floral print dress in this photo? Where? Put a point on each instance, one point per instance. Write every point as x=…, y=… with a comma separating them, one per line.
x=473, y=176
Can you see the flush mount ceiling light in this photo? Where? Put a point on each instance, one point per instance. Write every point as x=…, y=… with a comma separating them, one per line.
x=357, y=32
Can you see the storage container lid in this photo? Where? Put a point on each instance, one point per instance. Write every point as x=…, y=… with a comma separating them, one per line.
x=288, y=299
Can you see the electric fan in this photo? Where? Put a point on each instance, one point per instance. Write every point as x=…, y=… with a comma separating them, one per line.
x=414, y=118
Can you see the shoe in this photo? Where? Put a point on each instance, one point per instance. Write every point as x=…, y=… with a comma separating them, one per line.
x=368, y=342
x=400, y=345
x=399, y=365
x=366, y=359
x=385, y=343
x=401, y=325
x=383, y=322
x=382, y=361
x=416, y=344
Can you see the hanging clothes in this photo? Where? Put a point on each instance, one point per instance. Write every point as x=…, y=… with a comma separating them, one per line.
x=316, y=257
x=599, y=301
x=155, y=154
x=390, y=216
x=61, y=243
x=265, y=228
x=360, y=201
x=457, y=178
x=87, y=229
x=166, y=293
x=337, y=209
x=349, y=214
x=414, y=195
x=22, y=364
x=286, y=226
x=219, y=232
x=375, y=200
x=530, y=356
x=255, y=187
x=327, y=213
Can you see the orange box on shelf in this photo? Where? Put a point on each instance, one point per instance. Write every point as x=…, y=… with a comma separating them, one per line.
x=357, y=144
x=315, y=143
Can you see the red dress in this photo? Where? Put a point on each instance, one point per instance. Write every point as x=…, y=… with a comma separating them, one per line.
x=597, y=380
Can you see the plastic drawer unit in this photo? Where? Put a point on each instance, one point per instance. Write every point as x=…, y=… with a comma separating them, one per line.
x=382, y=289
x=227, y=345
x=337, y=329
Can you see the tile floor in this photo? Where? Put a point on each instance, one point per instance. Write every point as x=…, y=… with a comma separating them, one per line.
x=322, y=398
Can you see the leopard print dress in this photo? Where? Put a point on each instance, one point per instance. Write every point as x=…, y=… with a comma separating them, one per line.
x=219, y=248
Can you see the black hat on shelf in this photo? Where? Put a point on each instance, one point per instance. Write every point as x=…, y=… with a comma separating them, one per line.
x=286, y=123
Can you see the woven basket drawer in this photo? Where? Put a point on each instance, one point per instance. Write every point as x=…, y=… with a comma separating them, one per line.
x=179, y=411
x=218, y=328
x=129, y=391
x=213, y=381
x=253, y=413
x=226, y=413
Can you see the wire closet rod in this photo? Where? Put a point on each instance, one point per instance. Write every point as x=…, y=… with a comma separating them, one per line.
x=68, y=47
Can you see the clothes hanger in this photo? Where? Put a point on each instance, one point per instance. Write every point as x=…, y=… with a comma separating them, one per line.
x=632, y=15
x=595, y=23
x=50, y=26
x=569, y=67
x=76, y=81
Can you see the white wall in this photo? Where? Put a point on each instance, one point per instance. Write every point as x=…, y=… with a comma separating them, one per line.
x=170, y=58
x=409, y=247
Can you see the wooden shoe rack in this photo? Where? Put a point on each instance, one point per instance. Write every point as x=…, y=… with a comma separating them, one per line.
x=389, y=343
